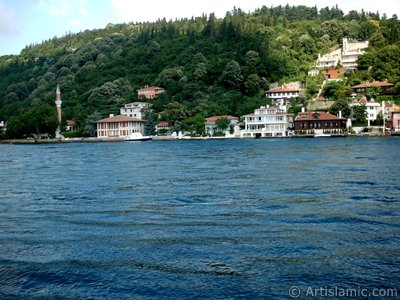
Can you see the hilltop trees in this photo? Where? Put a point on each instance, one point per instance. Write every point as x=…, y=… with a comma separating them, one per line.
x=208, y=66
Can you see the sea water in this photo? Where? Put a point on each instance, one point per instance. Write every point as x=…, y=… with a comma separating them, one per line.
x=200, y=219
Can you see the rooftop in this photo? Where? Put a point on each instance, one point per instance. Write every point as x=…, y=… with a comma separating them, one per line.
x=283, y=90
x=119, y=118
x=372, y=84
x=213, y=119
x=316, y=115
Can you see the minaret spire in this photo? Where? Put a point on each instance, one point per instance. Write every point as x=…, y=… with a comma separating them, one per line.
x=58, y=105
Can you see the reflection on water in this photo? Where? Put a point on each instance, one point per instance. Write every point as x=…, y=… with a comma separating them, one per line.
x=211, y=219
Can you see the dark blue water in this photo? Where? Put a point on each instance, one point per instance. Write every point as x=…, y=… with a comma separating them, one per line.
x=199, y=219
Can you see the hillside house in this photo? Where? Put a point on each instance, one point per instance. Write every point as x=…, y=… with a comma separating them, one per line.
x=134, y=109
x=364, y=87
x=281, y=96
x=346, y=56
x=149, y=92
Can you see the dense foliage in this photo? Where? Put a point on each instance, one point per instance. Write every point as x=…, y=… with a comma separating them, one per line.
x=208, y=66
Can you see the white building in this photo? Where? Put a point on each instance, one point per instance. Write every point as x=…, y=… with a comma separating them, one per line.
x=329, y=60
x=346, y=56
x=3, y=126
x=350, y=53
x=372, y=108
x=119, y=126
x=211, y=126
x=134, y=109
x=268, y=122
x=281, y=95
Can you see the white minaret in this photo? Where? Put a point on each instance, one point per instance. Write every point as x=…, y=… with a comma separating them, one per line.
x=58, y=105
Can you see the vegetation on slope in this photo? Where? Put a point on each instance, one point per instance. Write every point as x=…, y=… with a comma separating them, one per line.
x=208, y=66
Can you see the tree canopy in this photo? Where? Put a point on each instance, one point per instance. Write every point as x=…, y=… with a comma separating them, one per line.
x=208, y=66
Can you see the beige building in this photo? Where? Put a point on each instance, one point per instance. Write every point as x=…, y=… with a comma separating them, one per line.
x=149, y=92
x=119, y=126
x=345, y=56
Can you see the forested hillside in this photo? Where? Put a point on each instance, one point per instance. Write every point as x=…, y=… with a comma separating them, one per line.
x=208, y=66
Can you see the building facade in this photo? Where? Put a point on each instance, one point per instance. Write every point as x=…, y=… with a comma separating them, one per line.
x=281, y=96
x=372, y=108
x=268, y=122
x=346, y=56
x=396, y=121
x=364, y=87
x=134, y=109
x=211, y=126
x=119, y=126
x=318, y=122
x=149, y=92
x=162, y=126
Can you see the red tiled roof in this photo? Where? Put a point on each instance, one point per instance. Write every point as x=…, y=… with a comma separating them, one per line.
x=371, y=84
x=311, y=115
x=213, y=119
x=282, y=90
x=163, y=123
x=333, y=73
x=70, y=122
x=150, y=88
x=119, y=118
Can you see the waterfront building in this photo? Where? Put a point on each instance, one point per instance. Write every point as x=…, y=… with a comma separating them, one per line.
x=119, y=126
x=162, y=126
x=268, y=121
x=319, y=121
x=3, y=127
x=396, y=121
x=372, y=108
x=211, y=127
x=70, y=125
x=134, y=109
x=388, y=108
x=149, y=92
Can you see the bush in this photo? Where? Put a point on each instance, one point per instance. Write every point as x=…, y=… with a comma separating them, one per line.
x=71, y=134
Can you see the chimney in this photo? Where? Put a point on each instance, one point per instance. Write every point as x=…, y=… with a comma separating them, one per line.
x=340, y=114
x=303, y=109
x=111, y=115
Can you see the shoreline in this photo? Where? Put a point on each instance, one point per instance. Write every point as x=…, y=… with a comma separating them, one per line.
x=156, y=138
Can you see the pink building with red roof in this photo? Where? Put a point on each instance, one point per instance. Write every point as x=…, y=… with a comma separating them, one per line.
x=119, y=126
x=149, y=92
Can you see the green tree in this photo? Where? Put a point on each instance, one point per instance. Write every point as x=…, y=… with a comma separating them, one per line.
x=90, y=128
x=232, y=75
x=176, y=113
x=341, y=105
x=195, y=124
x=359, y=115
x=222, y=124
